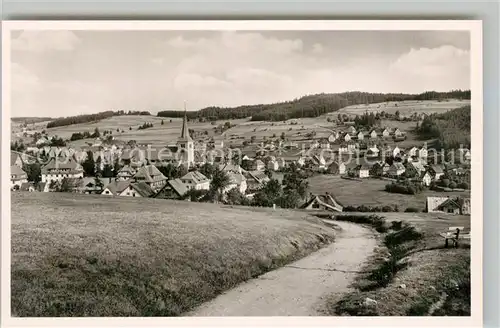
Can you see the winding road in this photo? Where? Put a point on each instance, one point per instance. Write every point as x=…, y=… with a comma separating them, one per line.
x=299, y=288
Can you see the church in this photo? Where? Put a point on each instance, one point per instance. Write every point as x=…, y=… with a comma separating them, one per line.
x=185, y=145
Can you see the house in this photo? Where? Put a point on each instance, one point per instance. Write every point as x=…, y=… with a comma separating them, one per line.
x=386, y=133
x=423, y=153
x=57, y=170
x=396, y=169
x=255, y=180
x=425, y=178
x=436, y=171
x=324, y=144
x=398, y=133
x=322, y=202
x=236, y=180
x=414, y=168
x=337, y=167
x=258, y=165
x=196, y=180
x=126, y=173
x=42, y=141
x=17, y=177
x=91, y=185
x=413, y=152
x=116, y=188
x=379, y=169
x=452, y=205
x=362, y=171
x=128, y=188
x=360, y=135
x=173, y=189
x=396, y=151
x=333, y=137
x=229, y=167
x=347, y=148
x=372, y=151
x=346, y=136
x=151, y=176
x=27, y=186
x=273, y=165
x=16, y=159
x=351, y=130
x=373, y=134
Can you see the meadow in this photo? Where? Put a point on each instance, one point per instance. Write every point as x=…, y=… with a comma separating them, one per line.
x=411, y=272
x=85, y=255
x=405, y=108
x=370, y=192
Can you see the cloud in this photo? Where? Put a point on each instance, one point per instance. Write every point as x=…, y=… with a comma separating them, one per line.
x=43, y=41
x=240, y=42
x=432, y=62
x=22, y=79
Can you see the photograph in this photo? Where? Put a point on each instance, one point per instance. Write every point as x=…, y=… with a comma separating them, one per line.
x=242, y=169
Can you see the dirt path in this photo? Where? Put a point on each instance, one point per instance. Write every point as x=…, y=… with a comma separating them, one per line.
x=300, y=288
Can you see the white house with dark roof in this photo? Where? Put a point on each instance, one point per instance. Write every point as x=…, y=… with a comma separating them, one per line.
x=57, y=170
x=127, y=188
x=196, y=180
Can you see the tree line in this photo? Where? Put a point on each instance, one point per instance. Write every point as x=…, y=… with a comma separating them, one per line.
x=308, y=106
x=451, y=129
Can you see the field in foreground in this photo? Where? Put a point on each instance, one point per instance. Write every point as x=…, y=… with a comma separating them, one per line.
x=411, y=273
x=81, y=255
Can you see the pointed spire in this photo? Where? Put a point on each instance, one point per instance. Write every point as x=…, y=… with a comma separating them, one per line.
x=185, y=131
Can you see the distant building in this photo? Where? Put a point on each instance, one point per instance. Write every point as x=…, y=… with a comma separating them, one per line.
x=185, y=143
x=150, y=175
x=17, y=177
x=258, y=165
x=452, y=205
x=236, y=180
x=126, y=173
x=57, y=170
x=396, y=169
x=322, y=202
x=196, y=180
x=128, y=189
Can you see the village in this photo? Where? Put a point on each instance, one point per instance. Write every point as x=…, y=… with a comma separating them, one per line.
x=184, y=170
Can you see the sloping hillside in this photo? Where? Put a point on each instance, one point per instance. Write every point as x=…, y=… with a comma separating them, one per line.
x=82, y=255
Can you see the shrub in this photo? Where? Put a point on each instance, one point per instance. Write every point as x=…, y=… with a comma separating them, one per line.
x=452, y=185
x=396, y=225
x=412, y=210
x=387, y=208
x=463, y=185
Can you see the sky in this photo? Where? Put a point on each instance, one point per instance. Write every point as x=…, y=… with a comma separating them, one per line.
x=63, y=73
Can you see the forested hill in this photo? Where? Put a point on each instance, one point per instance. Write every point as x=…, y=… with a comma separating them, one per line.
x=309, y=106
x=451, y=129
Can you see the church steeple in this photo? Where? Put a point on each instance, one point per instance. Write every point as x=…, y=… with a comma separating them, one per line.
x=185, y=131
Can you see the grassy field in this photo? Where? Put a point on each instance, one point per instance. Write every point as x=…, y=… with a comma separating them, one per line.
x=369, y=192
x=83, y=255
x=412, y=273
x=406, y=108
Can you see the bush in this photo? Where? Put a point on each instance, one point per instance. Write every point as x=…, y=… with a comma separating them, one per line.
x=463, y=185
x=387, y=208
x=412, y=210
x=452, y=185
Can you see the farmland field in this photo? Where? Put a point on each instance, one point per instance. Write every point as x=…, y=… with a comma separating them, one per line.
x=369, y=192
x=406, y=108
x=83, y=255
